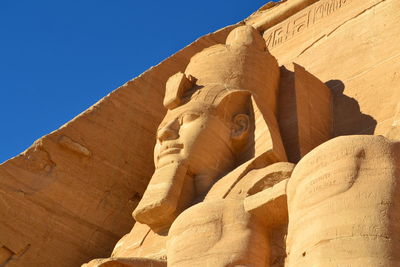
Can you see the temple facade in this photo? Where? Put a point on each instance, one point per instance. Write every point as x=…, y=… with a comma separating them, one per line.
x=274, y=142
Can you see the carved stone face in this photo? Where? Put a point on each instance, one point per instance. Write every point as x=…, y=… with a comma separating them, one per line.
x=195, y=135
x=197, y=143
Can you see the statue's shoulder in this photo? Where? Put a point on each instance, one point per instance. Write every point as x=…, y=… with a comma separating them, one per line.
x=250, y=178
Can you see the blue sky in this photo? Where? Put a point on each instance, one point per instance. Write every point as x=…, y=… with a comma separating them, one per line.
x=57, y=58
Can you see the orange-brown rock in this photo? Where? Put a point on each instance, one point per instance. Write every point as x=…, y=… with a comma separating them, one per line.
x=344, y=204
x=209, y=130
x=69, y=197
x=81, y=205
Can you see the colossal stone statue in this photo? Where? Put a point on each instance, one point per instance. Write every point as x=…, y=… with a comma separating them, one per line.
x=221, y=115
x=257, y=162
x=223, y=193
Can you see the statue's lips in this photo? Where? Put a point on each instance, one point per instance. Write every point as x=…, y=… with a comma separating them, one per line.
x=170, y=149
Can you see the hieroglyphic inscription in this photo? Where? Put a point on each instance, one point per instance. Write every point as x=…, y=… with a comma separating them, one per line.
x=320, y=187
x=301, y=22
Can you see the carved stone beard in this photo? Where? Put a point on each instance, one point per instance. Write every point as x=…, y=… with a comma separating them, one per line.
x=169, y=192
x=188, y=184
x=179, y=181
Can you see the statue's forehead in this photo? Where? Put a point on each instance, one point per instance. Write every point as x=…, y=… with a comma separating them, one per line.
x=196, y=108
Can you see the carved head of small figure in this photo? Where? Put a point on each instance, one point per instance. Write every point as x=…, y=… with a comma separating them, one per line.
x=209, y=127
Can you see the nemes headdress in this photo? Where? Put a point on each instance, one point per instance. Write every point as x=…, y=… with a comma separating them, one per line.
x=240, y=66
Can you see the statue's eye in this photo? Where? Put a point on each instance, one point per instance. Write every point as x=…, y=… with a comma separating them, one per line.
x=188, y=118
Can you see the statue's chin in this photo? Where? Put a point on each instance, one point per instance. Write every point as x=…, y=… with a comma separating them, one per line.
x=173, y=155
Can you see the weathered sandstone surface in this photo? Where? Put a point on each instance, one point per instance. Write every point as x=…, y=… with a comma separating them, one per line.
x=69, y=197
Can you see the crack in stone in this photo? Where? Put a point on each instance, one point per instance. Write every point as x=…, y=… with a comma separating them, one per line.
x=372, y=67
x=311, y=45
x=355, y=17
x=338, y=27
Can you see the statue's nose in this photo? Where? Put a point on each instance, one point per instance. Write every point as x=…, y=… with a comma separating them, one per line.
x=169, y=131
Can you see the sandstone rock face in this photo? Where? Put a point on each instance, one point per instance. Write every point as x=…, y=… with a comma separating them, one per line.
x=245, y=105
x=69, y=188
x=352, y=46
x=343, y=200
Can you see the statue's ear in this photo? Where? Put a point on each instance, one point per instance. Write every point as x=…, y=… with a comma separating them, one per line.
x=240, y=126
x=233, y=107
x=175, y=87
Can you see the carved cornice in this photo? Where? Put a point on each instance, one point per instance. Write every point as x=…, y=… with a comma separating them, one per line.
x=274, y=13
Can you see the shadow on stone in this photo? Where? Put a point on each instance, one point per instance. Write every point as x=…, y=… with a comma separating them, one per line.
x=347, y=116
